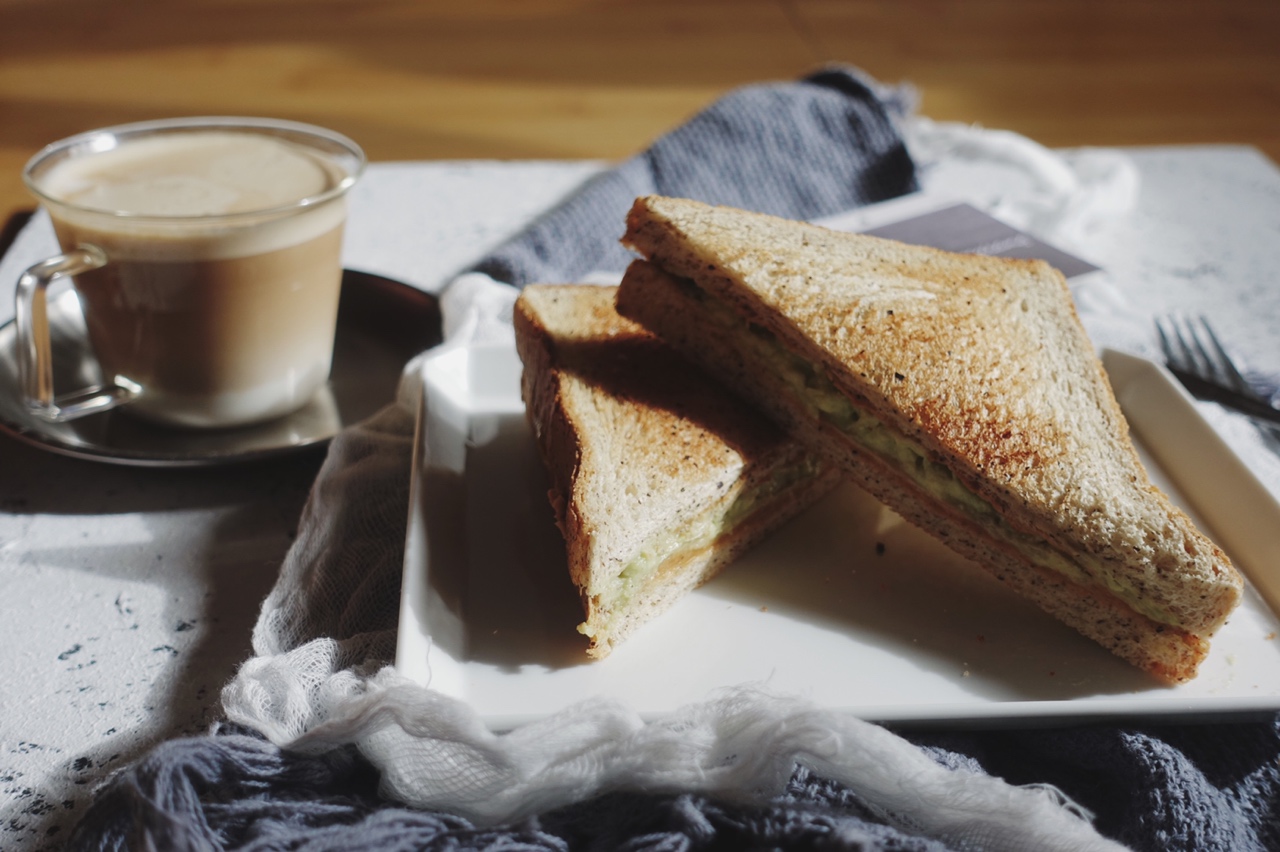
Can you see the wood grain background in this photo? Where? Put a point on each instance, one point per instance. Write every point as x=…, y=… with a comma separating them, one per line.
x=426, y=79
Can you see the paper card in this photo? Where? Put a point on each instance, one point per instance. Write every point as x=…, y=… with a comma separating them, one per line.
x=965, y=228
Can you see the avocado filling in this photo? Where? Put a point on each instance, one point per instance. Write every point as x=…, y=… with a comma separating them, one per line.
x=700, y=532
x=822, y=400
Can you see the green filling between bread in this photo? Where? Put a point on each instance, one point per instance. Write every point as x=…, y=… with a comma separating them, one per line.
x=702, y=531
x=823, y=401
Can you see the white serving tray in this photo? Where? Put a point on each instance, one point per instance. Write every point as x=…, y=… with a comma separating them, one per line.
x=846, y=605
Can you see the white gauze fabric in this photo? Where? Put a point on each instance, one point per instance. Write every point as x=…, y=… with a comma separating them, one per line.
x=742, y=744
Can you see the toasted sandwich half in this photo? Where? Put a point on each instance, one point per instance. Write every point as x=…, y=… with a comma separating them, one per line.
x=960, y=390
x=659, y=478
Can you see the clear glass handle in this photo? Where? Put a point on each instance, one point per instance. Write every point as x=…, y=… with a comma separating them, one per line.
x=35, y=354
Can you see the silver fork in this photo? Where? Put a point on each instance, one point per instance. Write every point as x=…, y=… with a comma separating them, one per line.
x=1197, y=357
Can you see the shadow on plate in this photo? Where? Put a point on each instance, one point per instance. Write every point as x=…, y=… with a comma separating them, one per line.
x=855, y=568
x=498, y=589
x=500, y=594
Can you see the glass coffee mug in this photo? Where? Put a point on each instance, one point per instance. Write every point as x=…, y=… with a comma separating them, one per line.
x=206, y=255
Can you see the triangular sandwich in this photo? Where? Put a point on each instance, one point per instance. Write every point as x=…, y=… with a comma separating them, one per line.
x=960, y=390
x=659, y=478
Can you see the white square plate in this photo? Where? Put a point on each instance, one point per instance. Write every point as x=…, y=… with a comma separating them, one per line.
x=846, y=605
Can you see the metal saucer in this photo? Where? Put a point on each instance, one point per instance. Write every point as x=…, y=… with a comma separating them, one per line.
x=381, y=324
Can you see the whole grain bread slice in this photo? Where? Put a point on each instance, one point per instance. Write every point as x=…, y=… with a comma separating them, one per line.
x=645, y=456
x=979, y=363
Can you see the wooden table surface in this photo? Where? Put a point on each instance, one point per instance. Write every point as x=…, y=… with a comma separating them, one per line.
x=462, y=79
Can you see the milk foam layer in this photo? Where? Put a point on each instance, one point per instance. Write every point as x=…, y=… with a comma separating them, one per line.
x=211, y=173
x=216, y=188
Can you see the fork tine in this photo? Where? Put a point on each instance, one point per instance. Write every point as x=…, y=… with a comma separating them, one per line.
x=1192, y=346
x=1171, y=343
x=1225, y=364
x=1191, y=351
x=1193, y=355
x=1185, y=350
x=1166, y=346
x=1201, y=359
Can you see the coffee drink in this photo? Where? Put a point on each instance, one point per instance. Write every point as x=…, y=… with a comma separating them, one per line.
x=218, y=299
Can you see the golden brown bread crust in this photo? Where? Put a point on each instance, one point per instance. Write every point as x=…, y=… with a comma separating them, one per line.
x=1004, y=389
x=635, y=441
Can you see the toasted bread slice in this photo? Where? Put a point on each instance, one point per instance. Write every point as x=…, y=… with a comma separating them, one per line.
x=961, y=390
x=659, y=478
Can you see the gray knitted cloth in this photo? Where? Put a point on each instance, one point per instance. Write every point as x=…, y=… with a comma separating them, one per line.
x=1181, y=788
x=804, y=150
x=800, y=150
